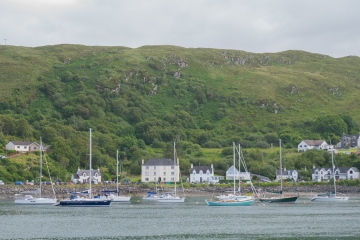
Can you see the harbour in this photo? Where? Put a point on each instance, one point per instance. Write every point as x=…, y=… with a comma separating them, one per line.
x=190, y=220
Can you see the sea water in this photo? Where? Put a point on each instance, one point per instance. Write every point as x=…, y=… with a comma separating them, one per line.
x=190, y=220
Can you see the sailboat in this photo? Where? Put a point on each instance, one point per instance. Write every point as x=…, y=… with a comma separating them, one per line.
x=330, y=196
x=77, y=201
x=153, y=195
x=27, y=198
x=170, y=197
x=110, y=193
x=280, y=198
x=233, y=199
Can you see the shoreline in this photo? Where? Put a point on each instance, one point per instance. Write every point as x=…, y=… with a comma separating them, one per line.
x=62, y=191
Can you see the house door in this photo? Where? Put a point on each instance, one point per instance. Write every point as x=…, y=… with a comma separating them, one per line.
x=200, y=179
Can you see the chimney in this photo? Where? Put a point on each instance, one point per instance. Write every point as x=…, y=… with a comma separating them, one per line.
x=212, y=166
x=192, y=166
x=142, y=161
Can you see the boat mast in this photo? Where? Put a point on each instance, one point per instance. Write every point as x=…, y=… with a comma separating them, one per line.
x=281, y=171
x=117, y=172
x=234, y=167
x=90, y=164
x=175, y=167
x=333, y=168
x=239, y=170
x=40, y=165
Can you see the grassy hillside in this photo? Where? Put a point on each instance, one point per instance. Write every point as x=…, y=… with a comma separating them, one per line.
x=141, y=100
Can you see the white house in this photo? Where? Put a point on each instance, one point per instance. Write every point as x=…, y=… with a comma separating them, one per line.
x=83, y=176
x=201, y=174
x=22, y=146
x=286, y=174
x=160, y=170
x=312, y=144
x=232, y=173
x=324, y=174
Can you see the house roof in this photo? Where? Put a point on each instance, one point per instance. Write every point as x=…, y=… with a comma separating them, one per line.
x=21, y=143
x=341, y=169
x=314, y=142
x=284, y=172
x=231, y=169
x=87, y=172
x=159, y=162
x=201, y=168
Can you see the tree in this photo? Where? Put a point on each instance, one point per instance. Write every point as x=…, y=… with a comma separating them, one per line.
x=330, y=124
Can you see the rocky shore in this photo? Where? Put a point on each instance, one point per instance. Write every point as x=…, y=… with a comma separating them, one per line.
x=8, y=191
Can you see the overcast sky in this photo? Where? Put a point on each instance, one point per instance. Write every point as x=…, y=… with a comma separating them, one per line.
x=330, y=27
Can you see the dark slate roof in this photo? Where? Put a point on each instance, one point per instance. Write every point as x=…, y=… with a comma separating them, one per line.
x=201, y=168
x=284, y=172
x=80, y=172
x=341, y=169
x=314, y=142
x=159, y=162
x=21, y=143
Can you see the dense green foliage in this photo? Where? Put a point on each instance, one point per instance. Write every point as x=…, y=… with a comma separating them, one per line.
x=139, y=101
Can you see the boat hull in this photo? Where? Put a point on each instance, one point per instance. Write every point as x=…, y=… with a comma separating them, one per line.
x=171, y=200
x=36, y=201
x=279, y=200
x=230, y=203
x=329, y=199
x=85, y=203
x=120, y=199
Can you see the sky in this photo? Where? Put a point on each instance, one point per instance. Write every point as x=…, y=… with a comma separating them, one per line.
x=328, y=27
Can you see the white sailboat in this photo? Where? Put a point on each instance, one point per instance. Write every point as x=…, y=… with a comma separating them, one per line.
x=35, y=197
x=153, y=195
x=330, y=196
x=234, y=199
x=116, y=197
x=80, y=201
x=170, y=197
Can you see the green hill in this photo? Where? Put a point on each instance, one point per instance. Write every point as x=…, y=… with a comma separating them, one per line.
x=141, y=100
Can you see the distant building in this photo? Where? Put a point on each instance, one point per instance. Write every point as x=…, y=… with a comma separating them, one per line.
x=83, y=176
x=160, y=170
x=202, y=174
x=286, y=174
x=232, y=173
x=22, y=146
x=350, y=141
x=341, y=173
x=313, y=144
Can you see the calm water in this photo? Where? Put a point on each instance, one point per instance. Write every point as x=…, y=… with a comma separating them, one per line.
x=192, y=220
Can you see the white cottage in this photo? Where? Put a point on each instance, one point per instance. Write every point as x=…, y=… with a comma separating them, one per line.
x=341, y=173
x=160, y=170
x=83, y=176
x=20, y=146
x=312, y=144
x=232, y=173
x=201, y=174
x=286, y=174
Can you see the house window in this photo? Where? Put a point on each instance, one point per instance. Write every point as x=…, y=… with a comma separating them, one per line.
x=154, y=173
x=172, y=167
x=164, y=167
x=146, y=179
x=25, y=147
x=351, y=172
x=154, y=167
x=164, y=179
x=84, y=174
x=172, y=173
x=146, y=173
x=35, y=148
x=147, y=167
x=18, y=146
x=172, y=179
x=164, y=173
